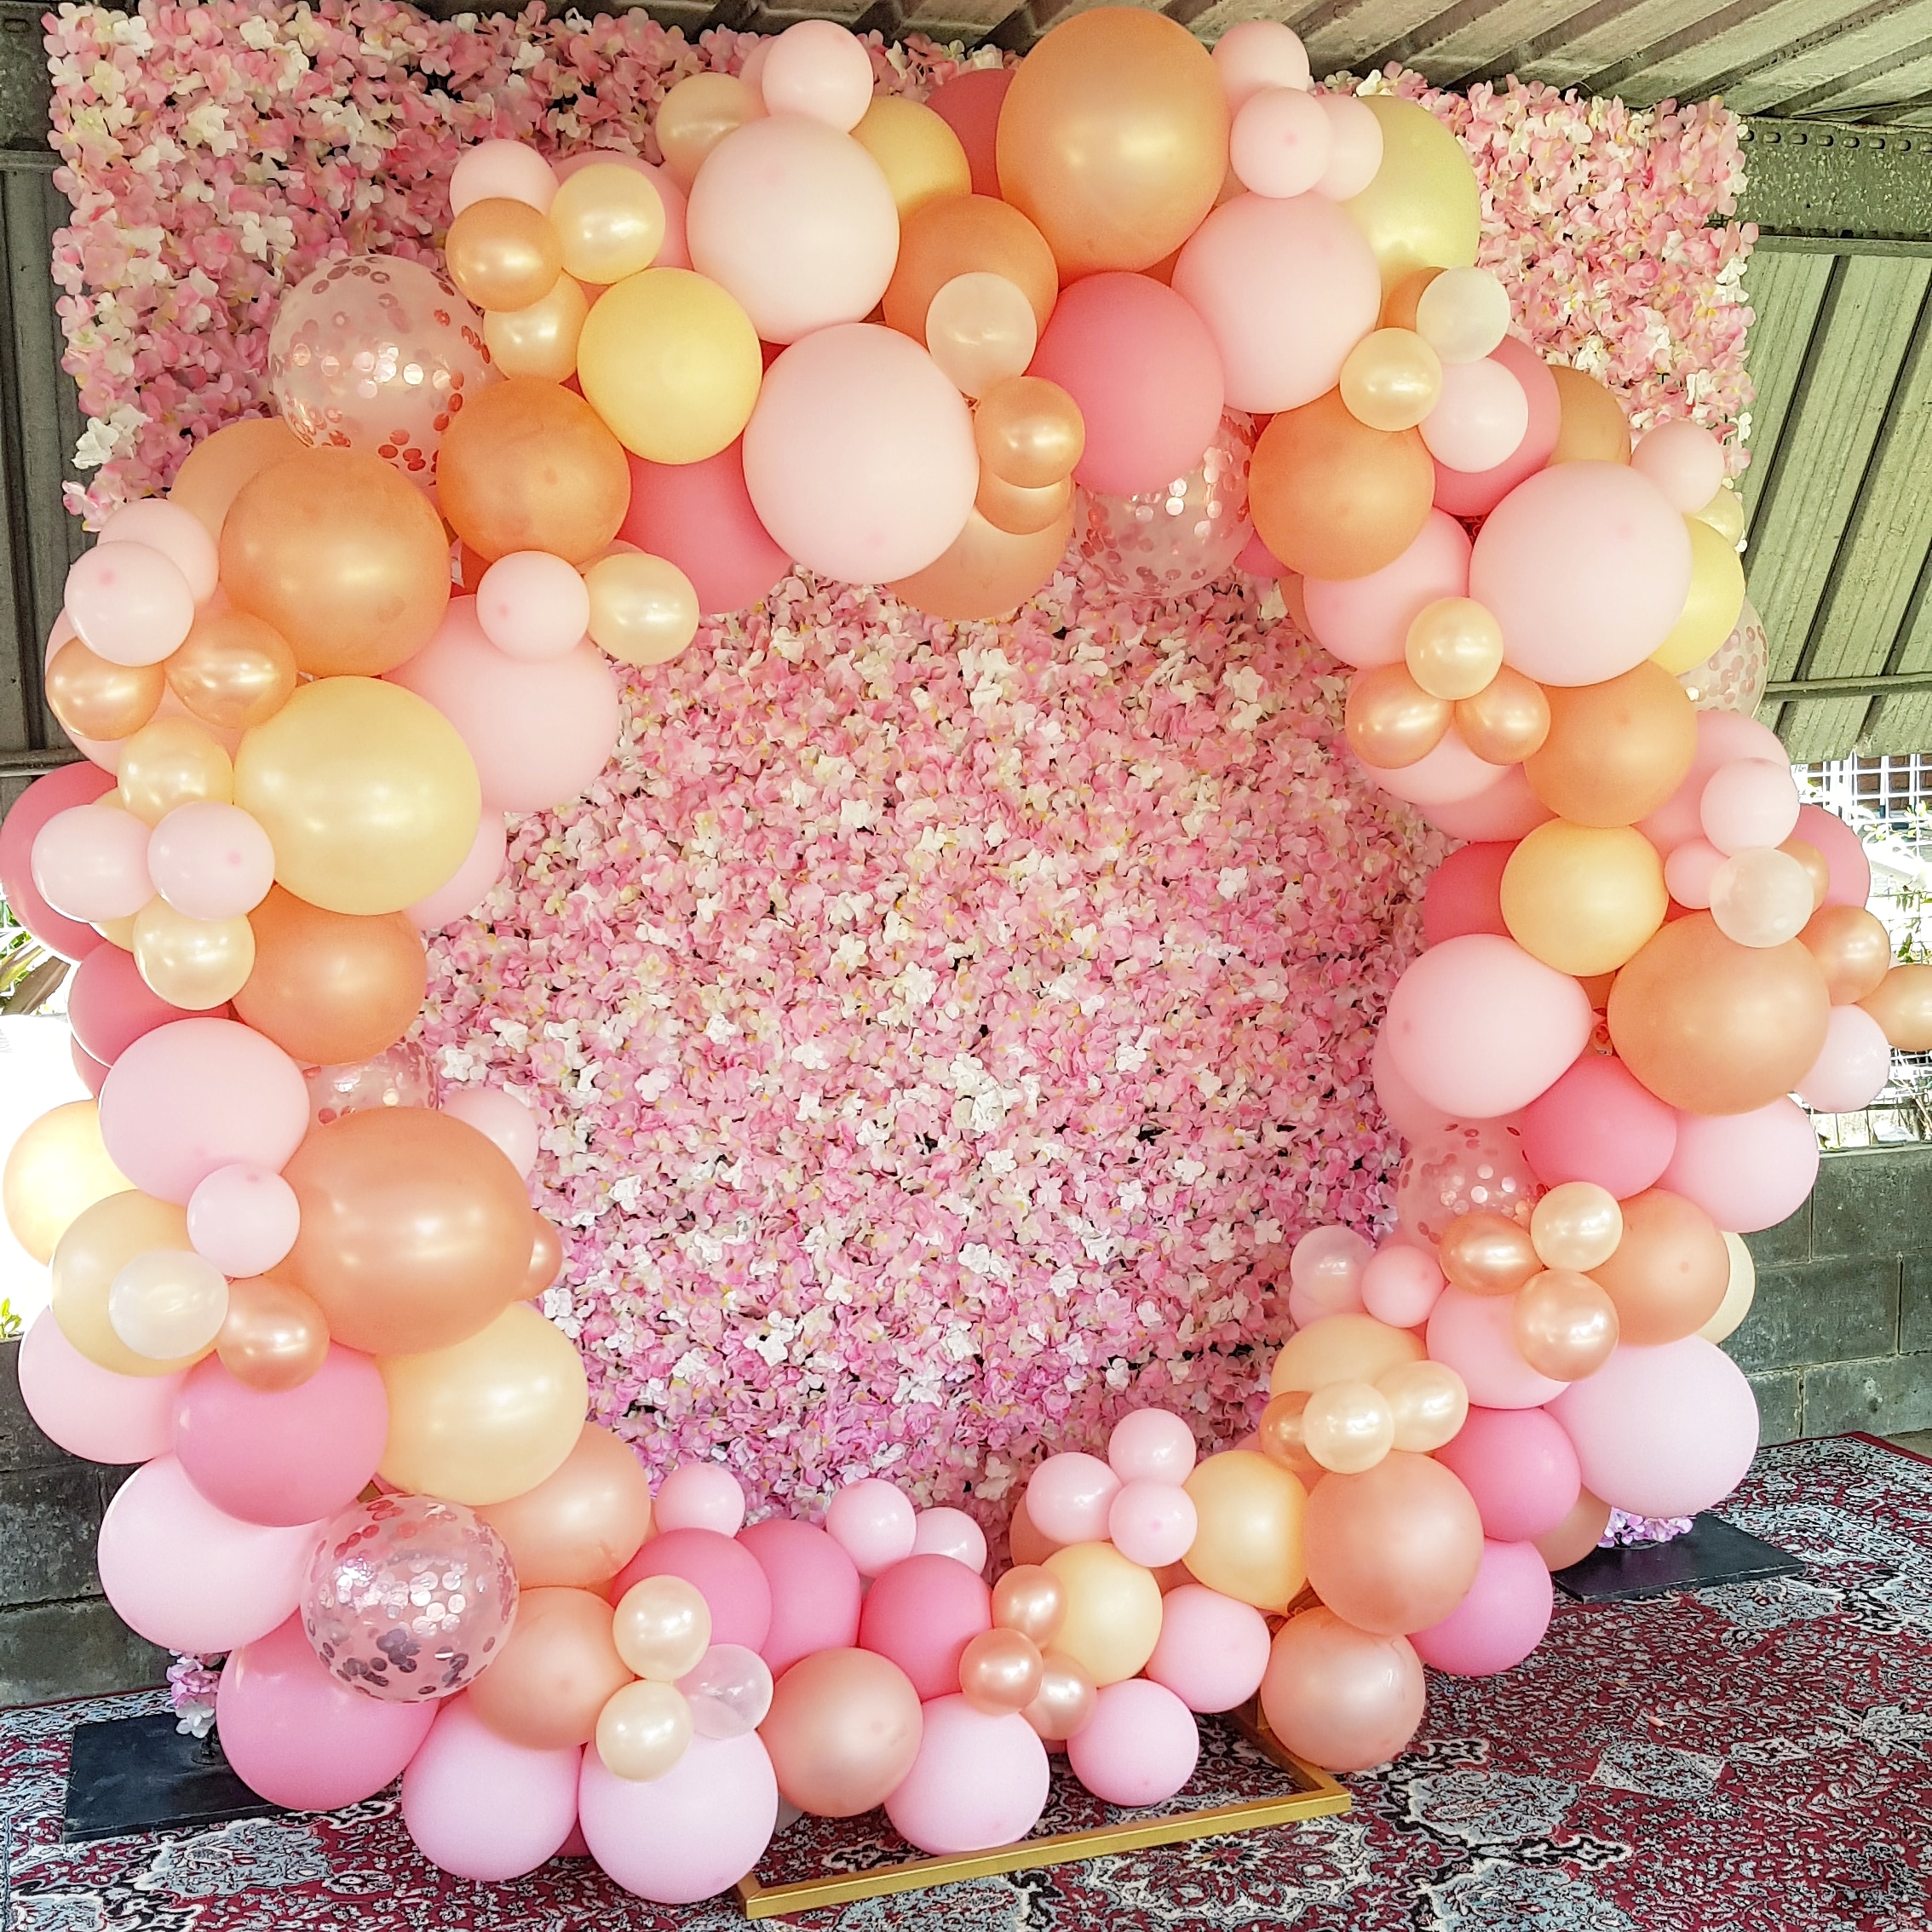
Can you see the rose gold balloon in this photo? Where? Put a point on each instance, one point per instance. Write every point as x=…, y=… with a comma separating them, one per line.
x=1348, y=1427
x=1394, y=1549
x=1564, y=1325
x=503, y=254
x=1669, y=1271
x=1019, y=512
x=217, y=470
x=94, y=698
x=1428, y=1401
x=1342, y=1698
x=966, y=234
x=1333, y=499
x=172, y=761
x=643, y=609
x=1486, y=1254
x=232, y=672
x=842, y=1731
x=1507, y=721
x=696, y=115
x=663, y=1627
x=1280, y=1437
x=1391, y=721
x=546, y=1255
x=1902, y=1006
x=1454, y=647
x=1031, y=1601
x=1853, y=950
x=1030, y=1545
x=1576, y=1225
x=1064, y=1705
x=987, y=572
x=1000, y=1670
x=274, y=1336
x=540, y=339
x=1029, y=432
x=1591, y=426
x=1577, y=1535
x=1616, y=751
x=1816, y=869
x=582, y=1524
x=557, y=1671
x=643, y=1730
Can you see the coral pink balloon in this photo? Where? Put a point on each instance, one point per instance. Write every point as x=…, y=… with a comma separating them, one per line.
x=1507, y=810
x=702, y=1496
x=1721, y=736
x=1213, y=1650
x=1480, y=418
x=1472, y=1335
x=540, y=732
x=1664, y=1431
x=1586, y=567
x=110, y=1006
x=921, y=1614
x=1749, y=802
x=1599, y=1123
x=950, y=1533
x=500, y=1116
x=503, y=170
x=1285, y=290
x=1446, y=775
x=1852, y=1066
x=532, y=605
x=875, y=1523
x=1401, y=1286
x=76, y=785
x=1355, y=152
x=129, y=603
x=1844, y=856
x=1280, y=143
x=978, y=1781
x=1684, y=460
x=1257, y=54
x=691, y=1833
x=969, y=104
x=1502, y=1619
x=699, y=516
x=673, y=251
x=814, y=1589
x=210, y=861
x=1463, y=493
x=1339, y=1697
x=469, y=885
x=1068, y=1497
x=1365, y=620
x=728, y=1577
x=87, y=1410
x=296, y=1737
x=818, y=69
x=1151, y=1523
x=1141, y=1743
x=1464, y=892
x=481, y=1806
x=1747, y=1172
x=1690, y=872
x=860, y=456
x=90, y=862
x=180, y=535
x=1151, y=1445
x=1520, y=1469
x=93, y=1072
x=244, y=1219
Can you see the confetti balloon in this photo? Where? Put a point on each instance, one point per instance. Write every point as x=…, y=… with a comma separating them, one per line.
x=1171, y=540
x=1732, y=677
x=1470, y=1166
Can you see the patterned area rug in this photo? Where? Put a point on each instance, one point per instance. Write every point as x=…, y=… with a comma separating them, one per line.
x=1757, y=1758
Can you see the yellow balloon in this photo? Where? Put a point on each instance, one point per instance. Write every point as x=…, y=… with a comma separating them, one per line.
x=1710, y=611
x=58, y=1169
x=1423, y=209
x=488, y=1418
x=643, y=609
x=611, y=220
x=1584, y=899
x=1113, y=1610
x=118, y=932
x=193, y=964
x=172, y=761
x=102, y=1240
x=1249, y=1542
x=918, y=154
x=541, y=340
x=672, y=365
x=1343, y=1348
x=1725, y=513
x=368, y=796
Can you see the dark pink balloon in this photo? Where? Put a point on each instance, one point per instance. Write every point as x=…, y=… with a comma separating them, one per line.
x=79, y=784
x=1502, y=1619
x=725, y=1572
x=1599, y=1123
x=921, y=1614
x=1844, y=856
x=970, y=104
x=110, y=1006
x=699, y=516
x=1520, y=1467
x=93, y=1072
x=815, y=1590
x=1465, y=493
x=1464, y=892
x=1258, y=561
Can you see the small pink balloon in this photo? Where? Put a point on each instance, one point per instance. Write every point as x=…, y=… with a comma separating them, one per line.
x=1480, y=419
x=1151, y=1445
x=1502, y=1619
x=90, y=862
x=978, y=1781
x=1445, y=776
x=1464, y=892
x=131, y=604
x=950, y=1533
x=1213, y=1650
x=819, y=69
x=470, y=884
x=1722, y=737
x=244, y=1219
x=1689, y=871
x=1401, y=1284
x=874, y=1522
x=93, y=1072
x=1599, y=1123
x=699, y=1496
x=699, y=516
x=672, y=250
x=1684, y=460
x=532, y=605
x=1151, y=1523
x=1747, y=1172
x=110, y=1006
x=1365, y=620
x=481, y=1806
x=499, y=1116
x=727, y=1575
x=1280, y=142
x=1257, y=54
x=87, y=1410
x=1519, y=1466
x=1750, y=801
x=921, y=1614
x=210, y=861
x=180, y=535
x=503, y=170
x=1068, y=1497
x=1509, y=809
x=1140, y=1747
x=1852, y=1066
x=1844, y=855
x=78, y=783
x=1355, y=147
x=814, y=1589
x=1465, y=493
x=1472, y=1335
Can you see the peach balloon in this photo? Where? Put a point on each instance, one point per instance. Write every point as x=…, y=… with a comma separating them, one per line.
x=1486, y=1254
x=1564, y=1326
x=1017, y=512
x=502, y=254
x=1391, y=381
x=1815, y=868
x=842, y=1731
x=1617, y=750
x=193, y=964
x=274, y=1336
x=1343, y=1348
x=1391, y=721
x=1577, y=1535
x=1584, y=899
x=1339, y=1697
x=966, y=234
x=643, y=1730
x=696, y=115
x=556, y=1670
x=546, y=1256
x=1248, y=1543
x=234, y=670
x=609, y=220
x=1669, y=1271
x=1454, y=649
x=1506, y=722
x=1029, y=432
x=93, y=697
x=919, y=155
x=217, y=468
x=1853, y=950
x=1592, y=427
x=1394, y=1549
x=987, y=572
x=584, y=1522
x=540, y=339
x=643, y=609
x=1576, y=1225
x=1902, y=1006
x=1113, y=1620
x=981, y=329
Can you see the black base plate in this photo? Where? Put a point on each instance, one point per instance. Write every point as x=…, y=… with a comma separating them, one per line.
x=1711, y=1552
x=140, y=1775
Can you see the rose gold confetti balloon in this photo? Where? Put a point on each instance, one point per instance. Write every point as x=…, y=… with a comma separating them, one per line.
x=1175, y=539
x=399, y=1076
x=1476, y=1165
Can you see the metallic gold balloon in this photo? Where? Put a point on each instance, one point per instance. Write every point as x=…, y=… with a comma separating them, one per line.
x=193, y=964
x=506, y=254
x=663, y=1627
x=1391, y=379
x=1113, y=1605
x=1029, y=432
x=1564, y=1325
x=1902, y=1006
x=1248, y=1544
x=1423, y=209
x=1280, y=1437
x=584, y=1522
x=170, y=762
x=1390, y=720
x=59, y=1168
x=1332, y=497
x=1001, y=1670
x=1591, y=427
x=1454, y=647
x=234, y=670
x=216, y=470
x=643, y=609
x=1018, y=512
x=919, y=155
x=643, y=1730
x=1486, y=1254
x=95, y=698
x=1349, y=1426
x=1030, y=1599
x=696, y=115
x=549, y=1684
x=1853, y=950
x=1507, y=721
x=101, y=1241
x=966, y=234
x=541, y=340
x=274, y=1337
x=1577, y=1226
x=1429, y=1401
x=1725, y=513
x=1064, y=1705
x=1816, y=869
x=611, y=223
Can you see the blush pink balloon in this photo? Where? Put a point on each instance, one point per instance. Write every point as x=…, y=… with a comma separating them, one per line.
x=1446, y=775
x=875, y=1523
x=1401, y=1284
x=110, y=1006
x=76, y=785
x=1664, y=1431
x=1747, y=1172
x=1355, y=151
x=503, y=170
x=1257, y=54
x=1151, y=1445
x=1151, y=1523
x=1852, y=1067
x=727, y=1575
x=860, y=456
x=470, y=884
x=87, y=1410
x=1464, y=492
x=1464, y=892
x=1684, y=460
x=244, y=1219
x=1520, y=1469
x=188, y=1576
x=950, y=1534
x=814, y=1590
x=1365, y=620
x=1502, y=1619
x=129, y=603
x=1747, y=802
x=540, y=732
x=180, y=535
x=1479, y=1028
x=1407, y=1112
x=673, y=251
x=1586, y=568
x=197, y=1094
x=978, y=1781
x=90, y=862
x=1507, y=810
x=1068, y=1497
x=210, y=861
x=532, y=605
x=297, y=1737
x=499, y=1116
x=1480, y=418
x=1285, y=288
x=1280, y=143
x=1144, y=370
x=1844, y=855
x=818, y=68
x=1690, y=870
x=921, y=1614
x=1599, y=1123
x=1213, y=1650
x=481, y=1806
x=699, y=1496
x=1721, y=736
x=969, y=104
x=1472, y=1335
x=699, y=516
x=1139, y=1746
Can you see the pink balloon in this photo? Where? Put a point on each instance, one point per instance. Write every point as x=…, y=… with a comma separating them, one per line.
x=1355, y=152
x=725, y=1574
x=1445, y=776
x=1852, y=1066
x=1340, y=1697
x=1464, y=892
x=1257, y=54
x=814, y=1590
x=471, y=883
x=860, y=456
x=1661, y=1432
x=1365, y=620
x=283, y=1456
x=691, y=1833
x=244, y=1219
x=921, y=1614
x=1151, y=1523
x=188, y=1576
x=1750, y=801
x=1721, y=736
x=1068, y=1497
x=1151, y=1445
x=978, y=1781
x=1747, y=1172
x=110, y=1006
x=1479, y=1028
x=178, y=534
x=1476, y=492
x=950, y=1533
x=1689, y=871
x=297, y=1738
x=90, y=862
x=532, y=605
x=1507, y=810
x=1280, y=142
x=197, y=1094
x=500, y=1116
x=699, y=516
x=969, y=104
x=87, y=1410
x=1502, y=1619
x=1472, y=1335
x=1213, y=1650
x=75, y=784
x=210, y=861
x=819, y=69
x=700, y=1495
x=93, y=1072
x=129, y=603
x=1285, y=288
x=1139, y=1746
x=1407, y=1112
x=1684, y=460
x=1599, y=1123
x=503, y=170
x=540, y=733
x=1258, y=561
x=1844, y=855
x=1519, y=1466
x=1401, y=1286
x=1480, y=419
x=483, y=1808
x=1144, y=370
x=875, y=1523
x=1586, y=568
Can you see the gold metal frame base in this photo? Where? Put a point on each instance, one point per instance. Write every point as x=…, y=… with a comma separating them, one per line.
x=1315, y=1795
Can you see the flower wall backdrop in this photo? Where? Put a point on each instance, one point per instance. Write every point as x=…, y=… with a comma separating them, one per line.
x=942, y=1033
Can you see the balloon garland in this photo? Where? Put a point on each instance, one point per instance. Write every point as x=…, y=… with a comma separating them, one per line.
x=1210, y=313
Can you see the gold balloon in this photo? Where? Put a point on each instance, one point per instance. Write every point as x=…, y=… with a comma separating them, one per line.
x=1029, y=432
x=1248, y=1543
x=506, y=253
x=966, y=234
x=1853, y=950
x=1023, y=513
x=1423, y=209
x=643, y=609
x=541, y=340
x=193, y=964
x=643, y=1731
x=1349, y=1426
x=1712, y=610
x=94, y=698
x=170, y=762
x=1030, y=1599
x=663, y=1627
x=1391, y=379
x=232, y=672
x=1577, y=1225
x=1564, y=1325
x=1670, y=1272
x=59, y=1168
x=1591, y=426
x=488, y=1418
x=1483, y=1253
x=1815, y=868
x=696, y=115
x=1454, y=648
x=611, y=223
x=370, y=798
x=1344, y=1347
x=1507, y=721
x=219, y=468
x=1584, y=899
x=274, y=1336
x=1281, y=1438
x=987, y=572
x=918, y=154
x=1113, y=1618
x=100, y=1242
x=1402, y=304
x=1428, y=1401
x=1390, y=720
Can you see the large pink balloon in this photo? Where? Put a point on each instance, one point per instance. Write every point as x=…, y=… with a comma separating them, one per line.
x=814, y=1587
x=1599, y=1123
x=1365, y=620
x=1844, y=855
x=1472, y=1335
x=1500, y=1621
x=187, y=1576
x=1412, y=1116
x=1586, y=568
x=110, y=1006
x=724, y=1573
x=79, y=784
x=540, y=730
x=89, y=1410
x=1144, y=370
x=1722, y=737
x=860, y=456
x=1287, y=288
x=1464, y=894
x=1661, y=1432
x=197, y=1094
x=1747, y=1172
x=469, y=885
x=297, y=1737
x=1479, y=1028
x=978, y=1781
x=1520, y=1469
x=1446, y=775
x=1508, y=810
x=483, y=1808
x=921, y=1614
x=699, y=516
x=691, y=1833
x=1212, y=1652
x=1464, y=492
x=1139, y=1746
